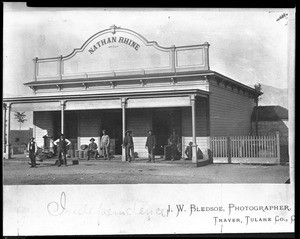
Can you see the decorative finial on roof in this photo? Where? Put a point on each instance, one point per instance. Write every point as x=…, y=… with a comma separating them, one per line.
x=113, y=27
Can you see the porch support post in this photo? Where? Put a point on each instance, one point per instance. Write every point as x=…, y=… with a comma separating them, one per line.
x=4, y=127
x=62, y=108
x=123, y=104
x=60, y=67
x=8, y=108
x=194, y=158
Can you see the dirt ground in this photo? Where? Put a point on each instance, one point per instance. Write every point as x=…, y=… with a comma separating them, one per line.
x=17, y=171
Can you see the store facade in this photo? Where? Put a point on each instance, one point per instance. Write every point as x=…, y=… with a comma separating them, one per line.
x=118, y=80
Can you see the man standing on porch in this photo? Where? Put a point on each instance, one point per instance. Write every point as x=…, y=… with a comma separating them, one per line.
x=150, y=145
x=105, y=142
x=128, y=144
x=62, y=144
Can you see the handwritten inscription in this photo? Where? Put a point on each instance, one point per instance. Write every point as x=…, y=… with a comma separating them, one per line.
x=61, y=207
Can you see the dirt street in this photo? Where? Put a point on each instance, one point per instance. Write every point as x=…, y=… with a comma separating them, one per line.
x=17, y=171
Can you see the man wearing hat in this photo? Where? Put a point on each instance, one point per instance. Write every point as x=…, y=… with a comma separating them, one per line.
x=150, y=145
x=128, y=144
x=105, y=143
x=92, y=149
x=62, y=144
x=32, y=149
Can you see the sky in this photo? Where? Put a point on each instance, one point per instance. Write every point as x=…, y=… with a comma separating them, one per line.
x=249, y=46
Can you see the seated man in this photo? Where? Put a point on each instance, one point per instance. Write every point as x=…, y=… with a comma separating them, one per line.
x=189, y=151
x=92, y=149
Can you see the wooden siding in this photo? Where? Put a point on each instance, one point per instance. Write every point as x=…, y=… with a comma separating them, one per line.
x=139, y=121
x=201, y=119
x=230, y=112
x=139, y=146
x=89, y=123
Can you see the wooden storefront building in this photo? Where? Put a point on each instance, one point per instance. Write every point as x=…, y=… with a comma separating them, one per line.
x=118, y=80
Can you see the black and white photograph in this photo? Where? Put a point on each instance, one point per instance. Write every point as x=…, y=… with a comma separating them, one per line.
x=128, y=121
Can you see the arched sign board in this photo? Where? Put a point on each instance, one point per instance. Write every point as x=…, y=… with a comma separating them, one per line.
x=117, y=50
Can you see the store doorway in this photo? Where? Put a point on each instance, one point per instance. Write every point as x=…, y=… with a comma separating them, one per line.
x=164, y=121
x=112, y=123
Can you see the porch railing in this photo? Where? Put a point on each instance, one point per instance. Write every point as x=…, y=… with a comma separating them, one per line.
x=246, y=149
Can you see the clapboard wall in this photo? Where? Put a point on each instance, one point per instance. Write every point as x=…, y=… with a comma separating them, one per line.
x=201, y=119
x=139, y=121
x=89, y=123
x=230, y=111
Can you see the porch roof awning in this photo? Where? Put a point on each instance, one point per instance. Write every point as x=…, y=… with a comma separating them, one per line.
x=107, y=101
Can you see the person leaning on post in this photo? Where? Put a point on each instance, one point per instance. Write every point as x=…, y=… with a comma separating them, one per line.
x=128, y=144
x=150, y=146
x=62, y=144
x=32, y=149
x=92, y=149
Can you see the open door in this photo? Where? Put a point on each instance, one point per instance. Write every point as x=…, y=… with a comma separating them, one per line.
x=164, y=121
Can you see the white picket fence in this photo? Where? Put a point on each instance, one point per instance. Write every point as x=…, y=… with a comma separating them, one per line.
x=246, y=149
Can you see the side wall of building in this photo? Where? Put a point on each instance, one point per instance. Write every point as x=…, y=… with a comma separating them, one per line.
x=230, y=111
x=271, y=127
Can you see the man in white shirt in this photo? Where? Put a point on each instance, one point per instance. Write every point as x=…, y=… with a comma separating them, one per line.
x=105, y=142
x=62, y=144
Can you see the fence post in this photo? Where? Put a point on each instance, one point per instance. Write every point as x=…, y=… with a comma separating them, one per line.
x=278, y=147
x=229, y=149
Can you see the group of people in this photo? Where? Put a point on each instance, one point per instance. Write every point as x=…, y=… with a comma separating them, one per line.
x=62, y=144
x=105, y=146
x=129, y=146
x=174, y=141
